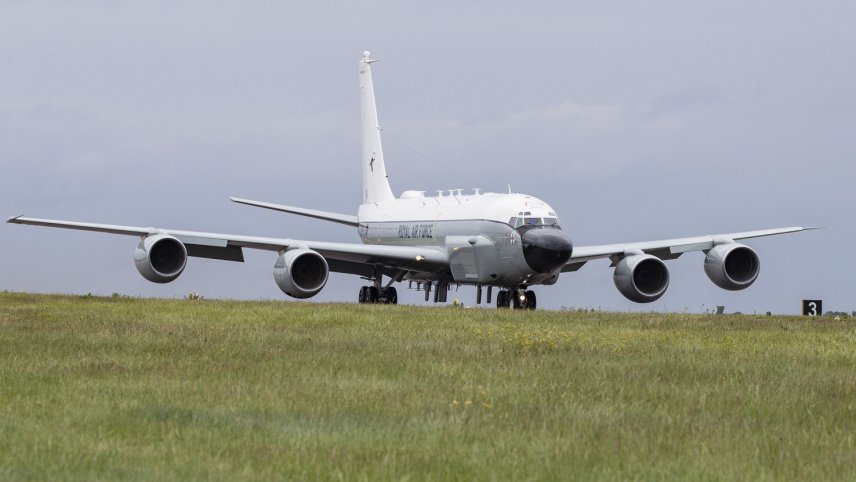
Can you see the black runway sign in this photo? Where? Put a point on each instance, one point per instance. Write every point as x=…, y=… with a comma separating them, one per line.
x=812, y=307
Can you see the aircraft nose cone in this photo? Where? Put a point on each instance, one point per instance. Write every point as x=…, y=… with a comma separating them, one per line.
x=546, y=249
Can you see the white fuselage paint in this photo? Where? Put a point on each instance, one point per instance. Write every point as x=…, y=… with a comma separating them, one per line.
x=483, y=247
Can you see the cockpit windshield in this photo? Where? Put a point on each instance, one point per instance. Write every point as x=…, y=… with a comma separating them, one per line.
x=518, y=221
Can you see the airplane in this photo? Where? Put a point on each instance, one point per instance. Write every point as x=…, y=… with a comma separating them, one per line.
x=507, y=241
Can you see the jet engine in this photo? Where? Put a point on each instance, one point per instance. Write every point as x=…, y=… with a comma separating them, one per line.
x=732, y=266
x=160, y=258
x=642, y=278
x=301, y=272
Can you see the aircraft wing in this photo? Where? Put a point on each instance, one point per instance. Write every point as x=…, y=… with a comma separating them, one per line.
x=665, y=249
x=345, y=257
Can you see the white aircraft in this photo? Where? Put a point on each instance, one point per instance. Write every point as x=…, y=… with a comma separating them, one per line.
x=508, y=241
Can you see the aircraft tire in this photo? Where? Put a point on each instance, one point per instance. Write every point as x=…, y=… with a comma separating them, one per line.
x=391, y=295
x=363, y=294
x=502, y=299
x=531, y=300
x=372, y=295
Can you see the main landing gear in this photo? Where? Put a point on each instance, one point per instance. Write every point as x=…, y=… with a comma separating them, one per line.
x=373, y=294
x=377, y=292
x=518, y=298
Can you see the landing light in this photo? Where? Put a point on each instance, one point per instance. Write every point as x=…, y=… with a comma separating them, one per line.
x=522, y=297
x=420, y=258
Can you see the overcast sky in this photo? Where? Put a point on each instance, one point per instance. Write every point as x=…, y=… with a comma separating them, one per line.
x=634, y=120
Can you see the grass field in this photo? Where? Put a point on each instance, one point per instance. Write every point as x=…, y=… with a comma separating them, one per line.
x=113, y=388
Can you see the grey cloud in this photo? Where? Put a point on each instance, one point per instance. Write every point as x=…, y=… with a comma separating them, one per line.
x=634, y=120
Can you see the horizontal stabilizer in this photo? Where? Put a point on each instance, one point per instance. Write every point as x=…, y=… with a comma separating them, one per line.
x=312, y=213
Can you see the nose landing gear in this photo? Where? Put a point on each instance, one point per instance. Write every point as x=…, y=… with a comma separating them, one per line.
x=519, y=298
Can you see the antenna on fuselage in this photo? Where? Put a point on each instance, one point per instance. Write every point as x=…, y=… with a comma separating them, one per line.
x=509, y=189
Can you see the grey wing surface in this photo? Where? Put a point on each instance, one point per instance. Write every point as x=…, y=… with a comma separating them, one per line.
x=343, y=257
x=665, y=249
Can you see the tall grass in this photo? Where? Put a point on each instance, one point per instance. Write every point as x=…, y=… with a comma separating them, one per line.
x=102, y=388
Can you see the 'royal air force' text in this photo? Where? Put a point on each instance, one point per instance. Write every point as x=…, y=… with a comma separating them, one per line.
x=409, y=231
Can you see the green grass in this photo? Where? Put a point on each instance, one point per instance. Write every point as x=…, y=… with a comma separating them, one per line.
x=103, y=388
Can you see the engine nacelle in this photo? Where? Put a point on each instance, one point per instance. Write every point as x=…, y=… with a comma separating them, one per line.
x=300, y=273
x=642, y=278
x=160, y=258
x=732, y=266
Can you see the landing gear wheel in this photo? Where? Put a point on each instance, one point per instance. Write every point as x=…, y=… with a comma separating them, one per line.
x=502, y=300
x=372, y=295
x=531, y=301
x=363, y=294
x=391, y=295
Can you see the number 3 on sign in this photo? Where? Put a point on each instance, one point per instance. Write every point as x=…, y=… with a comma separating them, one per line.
x=812, y=307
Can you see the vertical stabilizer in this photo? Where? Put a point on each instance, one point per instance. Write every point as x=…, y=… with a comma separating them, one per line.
x=375, y=181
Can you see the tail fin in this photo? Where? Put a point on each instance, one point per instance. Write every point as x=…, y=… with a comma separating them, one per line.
x=375, y=181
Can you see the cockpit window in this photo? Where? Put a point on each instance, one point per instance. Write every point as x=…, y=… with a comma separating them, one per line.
x=516, y=221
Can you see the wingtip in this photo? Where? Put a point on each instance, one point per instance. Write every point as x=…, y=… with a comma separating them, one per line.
x=14, y=218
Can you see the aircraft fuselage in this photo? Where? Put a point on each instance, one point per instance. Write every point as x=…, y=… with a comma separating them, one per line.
x=506, y=240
